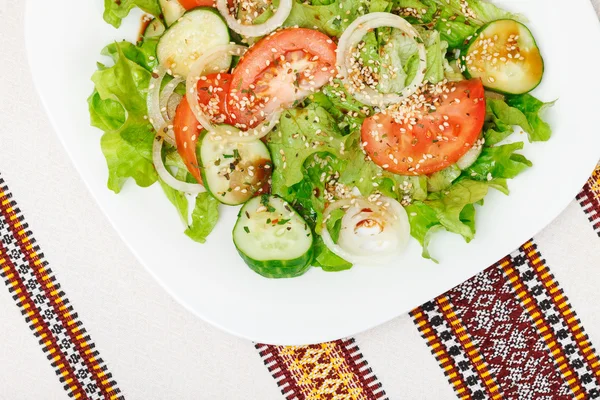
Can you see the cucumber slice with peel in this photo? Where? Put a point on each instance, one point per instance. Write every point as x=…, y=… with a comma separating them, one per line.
x=273, y=239
x=197, y=31
x=505, y=56
x=471, y=156
x=171, y=10
x=443, y=179
x=154, y=29
x=233, y=172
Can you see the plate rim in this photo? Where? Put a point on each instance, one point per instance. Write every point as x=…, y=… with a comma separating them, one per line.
x=168, y=289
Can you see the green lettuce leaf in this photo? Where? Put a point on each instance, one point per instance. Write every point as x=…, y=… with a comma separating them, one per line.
x=301, y=133
x=334, y=224
x=308, y=198
x=436, y=53
x=479, y=11
x=455, y=29
x=177, y=198
x=499, y=162
x=443, y=179
x=332, y=18
x=204, y=218
x=532, y=108
x=415, y=11
x=327, y=260
x=116, y=10
x=118, y=106
x=451, y=210
x=523, y=111
x=368, y=177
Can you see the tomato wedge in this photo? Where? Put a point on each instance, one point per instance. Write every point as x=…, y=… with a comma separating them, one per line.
x=189, y=4
x=279, y=70
x=212, y=96
x=427, y=135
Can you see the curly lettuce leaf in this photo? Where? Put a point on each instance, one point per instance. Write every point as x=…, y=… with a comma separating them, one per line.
x=308, y=198
x=522, y=110
x=334, y=224
x=479, y=11
x=499, y=162
x=452, y=210
x=301, y=133
x=455, y=29
x=327, y=260
x=329, y=17
x=204, y=218
x=436, y=54
x=415, y=11
x=368, y=177
x=532, y=108
x=116, y=10
x=118, y=106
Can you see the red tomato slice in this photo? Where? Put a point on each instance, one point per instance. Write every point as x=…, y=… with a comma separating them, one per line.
x=434, y=139
x=280, y=69
x=212, y=96
x=189, y=4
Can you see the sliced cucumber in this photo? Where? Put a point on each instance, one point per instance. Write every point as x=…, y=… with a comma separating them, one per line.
x=273, y=239
x=443, y=179
x=191, y=36
x=505, y=56
x=234, y=172
x=154, y=29
x=171, y=10
x=471, y=156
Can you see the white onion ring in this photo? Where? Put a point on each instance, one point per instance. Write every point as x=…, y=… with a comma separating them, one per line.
x=196, y=71
x=172, y=105
x=277, y=20
x=155, y=115
x=166, y=95
x=166, y=176
x=352, y=37
x=362, y=247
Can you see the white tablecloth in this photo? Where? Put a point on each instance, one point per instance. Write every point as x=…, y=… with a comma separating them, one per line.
x=154, y=348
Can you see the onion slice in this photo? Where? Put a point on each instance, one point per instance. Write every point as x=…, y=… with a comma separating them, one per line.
x=166, y=96
x=153, y=103
x=352, y=37
x=196, y=72
x=371, y=232
x=166, y=176
x=277, y=20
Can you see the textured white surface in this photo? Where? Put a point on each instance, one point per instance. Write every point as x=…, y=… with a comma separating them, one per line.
x=156, y=349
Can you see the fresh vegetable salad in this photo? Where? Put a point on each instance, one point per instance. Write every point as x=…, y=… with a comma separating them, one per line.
x=340, y=129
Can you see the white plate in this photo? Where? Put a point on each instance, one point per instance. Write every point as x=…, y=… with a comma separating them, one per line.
x=210, y=280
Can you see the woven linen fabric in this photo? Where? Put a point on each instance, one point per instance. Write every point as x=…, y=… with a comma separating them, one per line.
x=507, y=333
x=130, y=340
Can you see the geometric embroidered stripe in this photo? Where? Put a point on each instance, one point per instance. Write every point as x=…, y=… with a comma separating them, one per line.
x=589, y=198
x=565, y=323
x=516, y=329
x=447, y=351
x=333, y=370
x=539, y=316
x=47, y=310
x=475, y=357
x=501, y=329
x=41, y=329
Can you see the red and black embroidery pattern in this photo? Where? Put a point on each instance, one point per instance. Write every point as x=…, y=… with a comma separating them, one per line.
x=589, y=198
x=47, y=311
x=518, y=323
